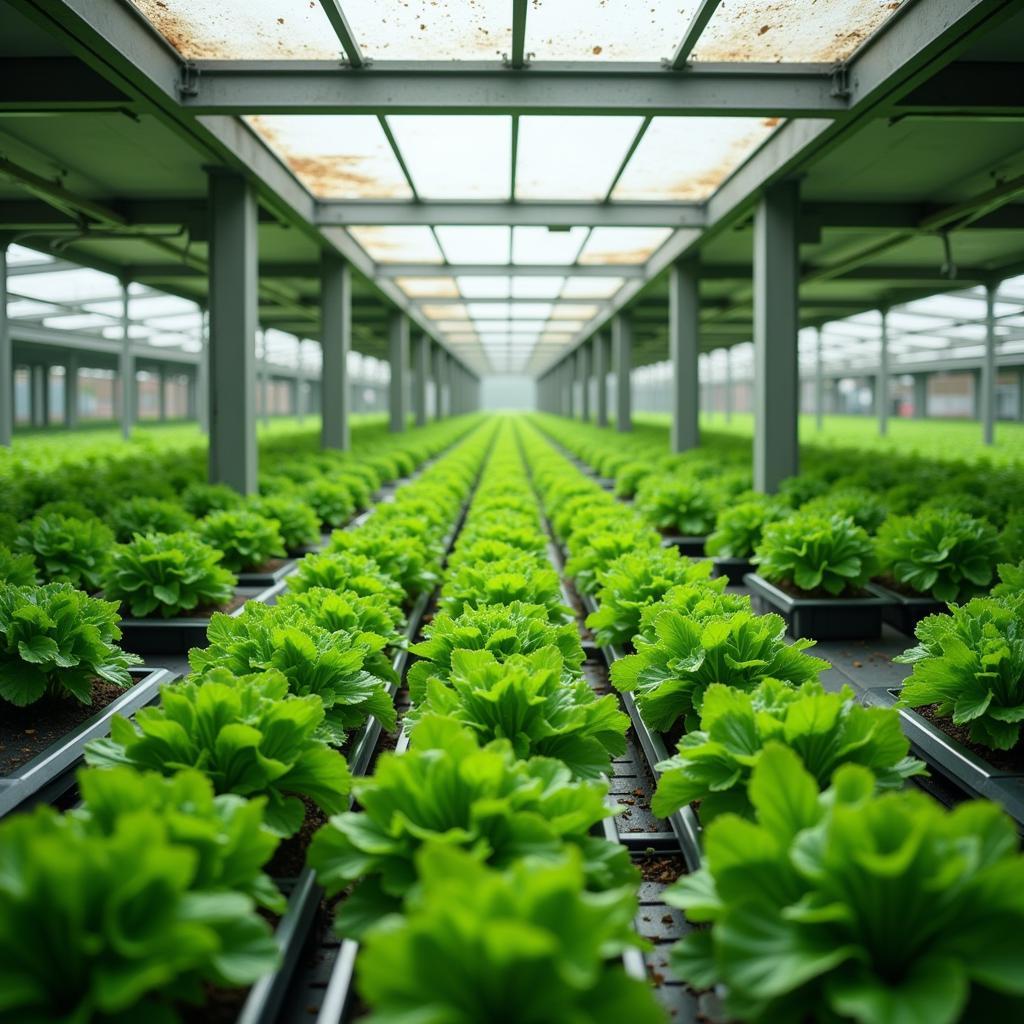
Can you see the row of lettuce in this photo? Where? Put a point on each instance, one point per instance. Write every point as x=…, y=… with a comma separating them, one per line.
x=148, y=533
x=946, y=530
x=828, y=891
x=156, y=890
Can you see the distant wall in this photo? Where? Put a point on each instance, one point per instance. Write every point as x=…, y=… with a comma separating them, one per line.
x=508, y=392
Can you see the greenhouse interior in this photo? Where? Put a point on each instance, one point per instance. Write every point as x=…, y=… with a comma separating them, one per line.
x=511, y=511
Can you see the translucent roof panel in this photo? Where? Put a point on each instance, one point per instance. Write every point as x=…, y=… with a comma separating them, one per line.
x=622, y=245
x=76, y=321
x=571, y=157
x=470, y=245
x=573, y=311
x=428, y=287
x=687, y=158
x=485, y=287
x=450, y=311
x=336, y=156
x=592, y=287
x=490, y=310
x=243, y=29
x=536, y=287
x=398, y=244
x=431, y=29
x=606, y=29
x=79, y=285
x=542, y=245
x=770, y=31
x=456, y=157
x=18, y=254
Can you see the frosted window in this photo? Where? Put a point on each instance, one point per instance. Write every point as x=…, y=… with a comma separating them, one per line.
x=622, y=245
x=398, y=244
x=592, y=287
x=484, y=287
x=542, y=245
x=474, y=244
x=536, y=287
x=428, y=287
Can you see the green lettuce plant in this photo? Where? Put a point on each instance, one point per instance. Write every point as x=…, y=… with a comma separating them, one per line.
x=1011, y=539
x=677, y=503
x=17, y=570
x=971, y=663
x=345, y=570
x=405, y=549
x=66, y=550
x=244, y=538
x=714, y=764
x=200, y=499
x=528, y=944
x=670, y=673
x=483, y=553
x=861, y=505
x=247, y=734
x=527, y=701
x=56, y=640
x=630, y=476
x=739, y=528
x=331, y=665
x=945, y=553
x=1010, y=585
x=297, y=522
x=526, y=538
x=347, y=611
x=816, y=553
x=331, y=500
x=590, y=554
x=144, y=515
x=448, y=789
x=699, y=601
x=851, y=906
x=167, y=575
x=520, y=580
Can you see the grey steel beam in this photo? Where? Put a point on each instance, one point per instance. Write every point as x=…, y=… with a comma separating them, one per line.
x=601, y=379
x=6, y=357
x=569, y=383
x=398, y=356
x=233, y=304
x=728, y=385
x=388, y=271
x=776, y=326
x=440, y=384
x=336, y=16
x=583, y=376
x=517, y=213
x=126, y=369
x=988, y=368
x=622, y=356
x=335, y=341
x=434, y=87
x=517, y=59
x=882, y=377
x=698, y=22
x=419, y=379
x=684, y=347
x=819, y=380
x=71, y=368
x=988, y=89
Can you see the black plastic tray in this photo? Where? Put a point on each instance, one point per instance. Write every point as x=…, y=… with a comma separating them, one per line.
x=691, y=547
x=267, y=579
x=904, y=611
x=733, y=569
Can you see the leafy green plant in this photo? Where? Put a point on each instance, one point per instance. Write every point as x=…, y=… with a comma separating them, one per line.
x=739, y=528
x=56, y=640
x=167, y=574
x=481, y=553
x=527, y=701
x=144, y=515
x=17, y=570
x=591, y=555
x=65, y=550
x=404, y=549
x=714, y=764
x=971, y=663
x=526, y=538
x=348, y=611
x=520, y=580
x=677, y=503
x=345, y=570
x=504, y=630
x=449, y=789
x=634, y=581
x=247, y=734
x=1011, y=581
x=331, y=500
x=528, y=944
x=298, y=522
x=245, y=539
x=630, y=476
x=200, y=499
x=864, y=507
x=816, y=553
x=331, y=665
x=943, y=552
x=851, y=906
x=1011, y=540
x=671, y=671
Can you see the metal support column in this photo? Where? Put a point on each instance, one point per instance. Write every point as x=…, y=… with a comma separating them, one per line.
x=583, y=375
x=419, y=379
x=569, y=378
x=233, y=271
x=203, y=374
x=728, y=385
x=988, y=367
x=336, y=340
x=126, y=368
x=71, y=368
x=683, y=349
x=440, y=364
x=776, y=325
x=6, y=358
x=398, y=348
x=882, y=380
x=262, y=376
x=601, y=379
x=920, y=396
x=36, y=396
x=819, y=380
x=622, y=356
x=161, y=383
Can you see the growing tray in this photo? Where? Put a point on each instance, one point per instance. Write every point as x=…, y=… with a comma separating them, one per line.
x=51, y=773
x=268, y=578
x=691, y=547
x=905, y=611
x=963, y=767
x=179, y=636
x=733, y=569
x=819, y=618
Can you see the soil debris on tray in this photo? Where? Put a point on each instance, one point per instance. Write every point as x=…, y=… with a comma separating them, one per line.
x=1011, y=760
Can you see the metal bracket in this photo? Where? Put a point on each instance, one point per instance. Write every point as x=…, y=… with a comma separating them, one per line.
x=188, y=81
x=840, y=82
x=506, y=61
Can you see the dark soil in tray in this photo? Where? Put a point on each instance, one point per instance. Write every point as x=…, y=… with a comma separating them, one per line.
x=819, y=593
x=201, y=612
x=1004, y=760
x=271, y=565
x=664, y=868
x=26, y=732
x=290, y=857
x=901, y=588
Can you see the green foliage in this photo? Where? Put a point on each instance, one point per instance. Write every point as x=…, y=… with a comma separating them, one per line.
x=864, y=507
x=448, y=789
x=504, y=630
x=330, y=499
x=815, y=552
x=848, y=906
x=519, y=579
x=404, y=549
x=330, y=665
x=17, y=570
x=298, y=522
x=348, y=611
x=630, y=476
x=200, y=499
x=345, y=570
x=1011, y=581
x=591, y=553
x=671, y=672
x=56, y=640
x=739, y=528
x=167, y=575
x=943, y=552
x=714, y=764
x=971, y=663
x=146, y=515
x=247, y=734
x=1011, y=540
x=678, y=503
x=528, y=945
x=527, y=701
x=525, y=538
x=245, y=539
x=66, y=550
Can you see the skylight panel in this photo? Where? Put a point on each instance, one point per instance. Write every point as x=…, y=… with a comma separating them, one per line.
x=603, y=30
x=687, y=158
x=21, y=308
x=431, y=29
x=243, y=29
x=797, y=31
x=468, y=245
x=336, y=156
x=484, y=287
x=571, y=158
x=77, y=285
x=536, y=287
x=592, y=287
x=428, y=287
x=19, y=255
x=572, y=311
x=456, y=156
x=533, y=310
x=613, y=246
x=489, y=310
x=543, y=245
x=452, y=311
x=75, y=321
x=408, y=244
